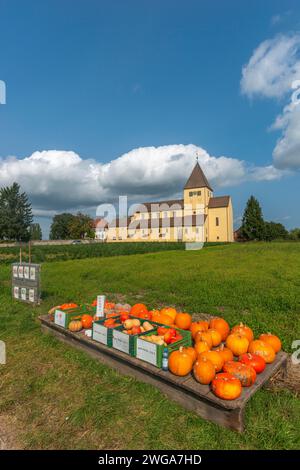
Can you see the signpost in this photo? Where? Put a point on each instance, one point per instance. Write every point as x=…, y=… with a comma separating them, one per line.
x=26, y=284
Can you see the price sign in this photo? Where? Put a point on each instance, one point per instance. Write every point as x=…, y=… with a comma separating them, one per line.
x=26, y=285
x=100, y=306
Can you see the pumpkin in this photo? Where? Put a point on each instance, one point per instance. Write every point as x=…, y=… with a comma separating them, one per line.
x=198, y=326
x=138, y=309
x=243, y=330
x=169, y=311
x=257, y=362
x=215, y=336
x=221, y=326
x=245, y=373
x=214, y=357
x=226, y=386
x=272, y=340
x=183, y=321
x=201, y=346
x=180, y=362
x=87, y=321
x=204, y=336
x=192, y=352
x=204, y=371
x=154, y=314
x=165, y=319
x=238, y=344
x=108, y=305
x=225, y=353
x=67, y=306
x=262, y=349
x=75, y=325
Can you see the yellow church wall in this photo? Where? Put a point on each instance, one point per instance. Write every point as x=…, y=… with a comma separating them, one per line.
x=224, y=231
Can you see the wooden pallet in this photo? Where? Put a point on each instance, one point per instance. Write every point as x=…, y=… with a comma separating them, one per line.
x=184, y=390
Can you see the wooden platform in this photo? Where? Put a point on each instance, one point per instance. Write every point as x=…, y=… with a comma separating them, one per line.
x=184, y=390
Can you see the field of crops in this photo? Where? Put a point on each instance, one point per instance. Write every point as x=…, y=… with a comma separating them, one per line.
x=56, y=397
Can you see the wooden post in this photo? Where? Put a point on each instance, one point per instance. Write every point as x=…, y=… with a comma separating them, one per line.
x=20, y=254
x=29, y=251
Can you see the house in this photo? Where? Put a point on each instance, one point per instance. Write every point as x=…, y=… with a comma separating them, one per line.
x=199, y=216
x=101, y=227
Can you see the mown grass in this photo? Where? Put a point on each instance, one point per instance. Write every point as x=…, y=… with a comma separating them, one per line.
x=63, y=399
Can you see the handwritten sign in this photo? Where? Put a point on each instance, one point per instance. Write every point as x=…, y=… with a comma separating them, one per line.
x=100, y=306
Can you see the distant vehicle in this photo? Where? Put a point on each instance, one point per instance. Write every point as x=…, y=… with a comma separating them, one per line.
x=76, y=242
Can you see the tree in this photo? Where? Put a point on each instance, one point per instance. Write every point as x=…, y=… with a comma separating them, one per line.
x=82, y=226
x=60, y=227
x=275, y=231
x=15, y=214
x=253, y=225
x=295, y=234
x=35, y=232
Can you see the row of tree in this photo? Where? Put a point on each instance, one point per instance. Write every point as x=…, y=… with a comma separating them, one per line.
x=16, y=222
x=254, y=227
x=69, y=226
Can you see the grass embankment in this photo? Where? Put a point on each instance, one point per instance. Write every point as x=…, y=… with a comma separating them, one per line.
x=63, y=399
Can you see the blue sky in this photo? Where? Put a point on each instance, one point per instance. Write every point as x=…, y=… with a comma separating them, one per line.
x=101, y=78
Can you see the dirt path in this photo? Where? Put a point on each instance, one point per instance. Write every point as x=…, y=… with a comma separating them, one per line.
x=9, y=433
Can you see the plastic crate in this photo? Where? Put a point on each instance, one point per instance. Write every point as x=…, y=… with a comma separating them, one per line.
x=101, y=333
x=153, y=353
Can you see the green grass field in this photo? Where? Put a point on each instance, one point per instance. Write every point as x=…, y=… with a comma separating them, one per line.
x=63, y=399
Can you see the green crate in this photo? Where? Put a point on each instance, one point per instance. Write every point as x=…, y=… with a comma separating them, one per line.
x=101, y=333
x=153, y=353
x=126, y=343
x=63, y=317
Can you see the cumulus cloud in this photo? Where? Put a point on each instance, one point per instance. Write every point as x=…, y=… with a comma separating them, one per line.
x=273, y=71
x=62, y=180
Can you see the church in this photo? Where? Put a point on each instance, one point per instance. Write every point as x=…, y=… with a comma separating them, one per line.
x=198, y=217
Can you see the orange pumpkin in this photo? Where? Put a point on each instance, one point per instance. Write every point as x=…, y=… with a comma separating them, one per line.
x=226, y=386
x=67, y=306
x=180, y=362
x=226, y=353
x=272, y=340
x=191, y=351
x=243, y=330
x=204, y=336
x=87, y=321
x=75, y=325
x=169, y=311
x=204, y=371
x=154, y=314
x=215, y=336
x=245, y=373
x=138, y=309
x=262, y=349
x=108, y=305
x=238, y=344
x=214, y=357
x=201, y=346
x=198, y=326
x=221, y=326
x=183, y=321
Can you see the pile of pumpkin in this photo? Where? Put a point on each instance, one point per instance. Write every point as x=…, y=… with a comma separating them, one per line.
x=213, y=357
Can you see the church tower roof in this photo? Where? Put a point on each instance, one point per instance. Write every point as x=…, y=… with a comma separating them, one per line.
x=197, y=179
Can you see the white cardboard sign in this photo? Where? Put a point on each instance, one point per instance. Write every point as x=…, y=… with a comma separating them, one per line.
x=99, y=333
x=121, y=341
x=146, y=351
x=100, y=306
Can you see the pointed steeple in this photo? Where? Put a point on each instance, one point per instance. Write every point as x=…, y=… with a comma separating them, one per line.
x=197, y=179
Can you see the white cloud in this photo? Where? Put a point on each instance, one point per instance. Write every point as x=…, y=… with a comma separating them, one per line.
x=272, y=68
x=62, y=180
x=273, y=71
